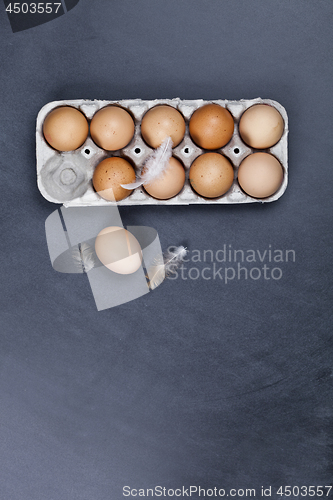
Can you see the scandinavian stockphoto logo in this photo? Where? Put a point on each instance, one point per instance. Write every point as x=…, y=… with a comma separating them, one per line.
x=229, y=264
x=24, y=15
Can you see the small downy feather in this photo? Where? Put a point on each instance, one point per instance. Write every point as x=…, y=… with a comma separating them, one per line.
x=155, y=165
x=164, y=266
x=83, y=256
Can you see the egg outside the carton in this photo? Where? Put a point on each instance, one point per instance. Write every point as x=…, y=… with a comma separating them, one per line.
x=260, y=175
x=109, y=175
x=211, y=126
x=118, y=250
x=161, y=122
x=211, y=175
x=112, y=128
x=261, y=126
x=169, y=183
x=65, y=128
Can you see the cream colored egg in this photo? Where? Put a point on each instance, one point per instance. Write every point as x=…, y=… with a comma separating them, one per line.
x=118, y=250
x=65, y=128
x=260, y=175
x=169, y=183
x=112, y=128
x=211, y=175
x=161, y=122
x=261, y=126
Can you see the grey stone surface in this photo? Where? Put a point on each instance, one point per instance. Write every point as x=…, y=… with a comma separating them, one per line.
x=198, y=382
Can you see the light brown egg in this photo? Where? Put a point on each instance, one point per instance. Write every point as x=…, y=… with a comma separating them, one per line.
x=161, y=122
x=260, y=175
x=109, y=175
x=118, y=250
x=211, y=126
x=170, y=183
x=211, y=175
x=261, y=126
x=112, y=128
x=65, y=128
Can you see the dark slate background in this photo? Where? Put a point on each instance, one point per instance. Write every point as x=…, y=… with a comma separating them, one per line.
x=198, y=382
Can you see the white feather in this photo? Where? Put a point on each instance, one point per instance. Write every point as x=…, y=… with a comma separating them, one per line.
x=83, y=257
x=132, y=185
x=155, y=165
x=164, y=266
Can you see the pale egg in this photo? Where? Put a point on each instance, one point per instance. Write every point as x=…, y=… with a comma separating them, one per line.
x=260, y=175
x=118, y=250
x=261, y=126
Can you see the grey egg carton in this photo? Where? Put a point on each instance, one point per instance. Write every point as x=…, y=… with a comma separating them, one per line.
x=66, y=177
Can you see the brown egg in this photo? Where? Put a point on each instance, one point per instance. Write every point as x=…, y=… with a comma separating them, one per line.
x=261, y=126
x=211, y=126
x=109, y=175
x=65, y=128
x=161, y=122
x=211, y=175
x=112, y=128
x=170, y=183
x=118, y=250
x=260, y=175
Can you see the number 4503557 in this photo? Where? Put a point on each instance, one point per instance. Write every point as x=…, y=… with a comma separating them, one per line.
x=33, y=8
x=304, y=491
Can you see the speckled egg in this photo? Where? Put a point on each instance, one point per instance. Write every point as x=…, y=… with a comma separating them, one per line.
x=211, y=175
x=161, y=122
x=112, y=128
x=109, y=175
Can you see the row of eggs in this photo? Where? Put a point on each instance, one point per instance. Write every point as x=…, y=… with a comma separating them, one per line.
x=211, y=127
x=211, y=175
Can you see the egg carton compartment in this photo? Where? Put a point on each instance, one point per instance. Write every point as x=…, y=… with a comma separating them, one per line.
x=66, y=177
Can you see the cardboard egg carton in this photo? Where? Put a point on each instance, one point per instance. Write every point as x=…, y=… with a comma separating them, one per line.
x=66, y=177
